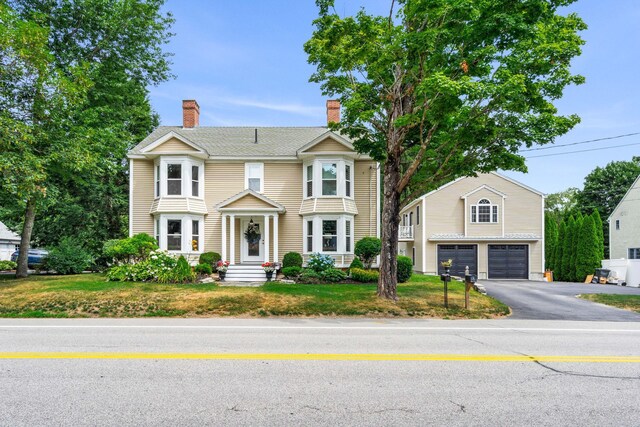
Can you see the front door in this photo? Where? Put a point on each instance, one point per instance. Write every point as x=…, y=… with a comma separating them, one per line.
x=252, y=238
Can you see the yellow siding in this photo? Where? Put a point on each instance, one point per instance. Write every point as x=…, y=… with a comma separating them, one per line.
x=328, y=145
x=365, y=176
x=142, y=221
x=222, y=181
x=329, y=205
x=249, y=202
x=173, y=145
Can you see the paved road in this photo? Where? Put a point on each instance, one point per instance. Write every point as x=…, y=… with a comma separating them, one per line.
x=558, y=301
x=272, y=372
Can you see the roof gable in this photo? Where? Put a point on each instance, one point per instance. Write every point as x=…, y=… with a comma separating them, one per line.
x=172, y=143
x=484, y=187
x=327, y=142
x=250, y=200
x=636, y=184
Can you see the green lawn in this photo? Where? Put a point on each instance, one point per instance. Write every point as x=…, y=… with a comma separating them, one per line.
x=89, y=295
x=627, y=302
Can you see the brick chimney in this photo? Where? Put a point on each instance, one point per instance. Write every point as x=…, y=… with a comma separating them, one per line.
x=333, y=111
x=190, y=113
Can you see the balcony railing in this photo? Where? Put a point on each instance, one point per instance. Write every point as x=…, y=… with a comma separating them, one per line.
x=405, y=232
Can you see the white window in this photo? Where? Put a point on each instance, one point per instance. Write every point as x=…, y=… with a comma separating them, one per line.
x=347, y=180
x=309, y=236
x=484, y=212
x=309, y=180
x=195, y=181
x=347, y=235
x=254, y=176
x=195, y=235
x=157, y=180
x=157, y=232
x=174, y=179
x=329, y=236
x=174, y=235
x=16, y=247
x=634, y=253
x=329, y=179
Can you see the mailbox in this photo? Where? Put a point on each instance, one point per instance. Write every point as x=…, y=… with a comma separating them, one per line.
x=470, y=278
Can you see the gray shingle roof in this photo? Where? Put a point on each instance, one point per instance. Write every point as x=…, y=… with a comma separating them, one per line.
x=6, y=234
x=239, y=141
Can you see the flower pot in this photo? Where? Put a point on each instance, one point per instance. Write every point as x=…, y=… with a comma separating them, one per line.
x=269, y=275
x=222, y=275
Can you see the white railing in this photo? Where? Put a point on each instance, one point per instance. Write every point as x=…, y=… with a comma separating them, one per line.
x=405, y=232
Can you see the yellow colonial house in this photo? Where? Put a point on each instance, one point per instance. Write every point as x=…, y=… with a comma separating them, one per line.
x=253, y=194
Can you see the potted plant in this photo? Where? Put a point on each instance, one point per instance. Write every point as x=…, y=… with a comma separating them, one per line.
x=222, y=267
x=269, y=268
x=446, y=265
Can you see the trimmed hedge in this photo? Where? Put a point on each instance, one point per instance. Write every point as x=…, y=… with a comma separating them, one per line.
x=356, y=263
x=405, y=268
x=292, y=259
x=210, y=258
x=367, y=249
x=364, y=276
x=292, y=272
x=203, y=269
x=333, y=275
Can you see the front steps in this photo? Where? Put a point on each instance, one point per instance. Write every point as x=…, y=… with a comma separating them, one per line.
x=245, y=273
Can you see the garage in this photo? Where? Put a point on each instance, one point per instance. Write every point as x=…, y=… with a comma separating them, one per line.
x=508, y=261
x=461, y=255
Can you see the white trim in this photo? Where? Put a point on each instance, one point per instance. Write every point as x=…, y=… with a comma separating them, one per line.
x=247, y=167
x=276, y=253
x=328, y=134
x=185, y=232
x=543, y=238
x=244, y=257
x=224, y=238
x=277, y=207
x=243, y=159
x=483, y=187
x=341, y=241
x=424, y=235
x=131, y=197
x=477, y=206
x=232, y=240
x=168, y=136
x=267, y=238
x=513, y=181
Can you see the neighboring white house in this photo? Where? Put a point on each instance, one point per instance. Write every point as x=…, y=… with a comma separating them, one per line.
x=490, y=223
x=9, y=242
x=624, y=225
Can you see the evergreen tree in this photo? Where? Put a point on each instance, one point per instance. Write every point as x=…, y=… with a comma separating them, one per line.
x=550, y=240
x=599, y=226
x=574, y=248
x=559, y=252
x=587, y=259
x=567, y=250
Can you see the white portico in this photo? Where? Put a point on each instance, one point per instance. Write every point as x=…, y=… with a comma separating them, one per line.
x=250, y=230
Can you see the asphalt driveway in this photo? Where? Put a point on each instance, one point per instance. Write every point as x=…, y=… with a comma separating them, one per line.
x=558, y=301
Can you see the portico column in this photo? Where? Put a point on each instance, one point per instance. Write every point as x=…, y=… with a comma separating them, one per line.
x=232, y=241
x=266, y=238
x=224, y=238
x=275, y=237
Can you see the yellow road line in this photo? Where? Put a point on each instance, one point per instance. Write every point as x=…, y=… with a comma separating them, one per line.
x=322, y=356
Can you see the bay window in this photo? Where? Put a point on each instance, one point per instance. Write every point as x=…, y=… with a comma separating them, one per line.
x=328, y=234
x=179, y=176
x=174, y=179
x=195, y=235
x=179, y=232
x=195, y=181
x=328, y=178
x=174, y=235
x=157, y=181
x=347, y=235
x=309, y=236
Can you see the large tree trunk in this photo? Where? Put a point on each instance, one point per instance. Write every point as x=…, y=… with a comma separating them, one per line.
x=388, y=281
x=25, y=238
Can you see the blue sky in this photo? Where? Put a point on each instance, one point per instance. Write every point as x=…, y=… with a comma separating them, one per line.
x=244, y=63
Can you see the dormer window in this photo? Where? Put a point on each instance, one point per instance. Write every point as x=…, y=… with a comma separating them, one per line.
x=328, y=178
x=484, y=212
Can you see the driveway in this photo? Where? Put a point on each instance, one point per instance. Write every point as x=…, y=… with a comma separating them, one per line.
x=558, y=301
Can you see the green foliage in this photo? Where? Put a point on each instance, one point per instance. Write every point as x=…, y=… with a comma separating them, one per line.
x=550, y=240
x=69, y=257
x=587, y=256
x=158, y=263
x=405, y=268
x=7, y=265
x=597, y=221
x=559, y=252
x=292, y=272
x=292, y=259
x=575, y=232
x=320, y=262
x=310, y=276
x=367, y=249
x=333, y=275
x=567, y=250
x=181, y=273
x=561, y=205
x=356, y=263
x=130, y=249
x=364, y=276
x=210, y=258
x=603, y=189
x=203, y=269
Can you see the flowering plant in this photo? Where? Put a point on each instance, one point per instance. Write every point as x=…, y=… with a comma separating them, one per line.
x=222, y=266
x=194, y=245
x=447, y=263
x=269, y=267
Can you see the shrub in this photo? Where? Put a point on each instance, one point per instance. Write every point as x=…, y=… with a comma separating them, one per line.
x=159, y=262
x=181, y=273
x=292, y=272
x=367, y=249
x=405, y=268
x=319, y=262
x=292, y=259
x=203, y=269
x=333, y=275
x=364, y=276
x=69, y=257
x=356, y=263
x=7, y=265
x=210, y=258
x=309, y=276
x=131, y=249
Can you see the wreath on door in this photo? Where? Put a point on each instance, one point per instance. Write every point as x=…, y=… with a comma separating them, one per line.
x=252, y=233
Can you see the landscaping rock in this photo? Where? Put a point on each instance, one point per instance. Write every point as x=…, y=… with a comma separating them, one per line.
x=206, y=280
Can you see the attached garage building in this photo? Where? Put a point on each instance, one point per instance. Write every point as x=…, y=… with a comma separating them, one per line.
x=490, y=223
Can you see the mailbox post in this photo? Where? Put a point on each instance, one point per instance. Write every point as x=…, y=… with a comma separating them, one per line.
x=469, y=280
x=446, y=278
